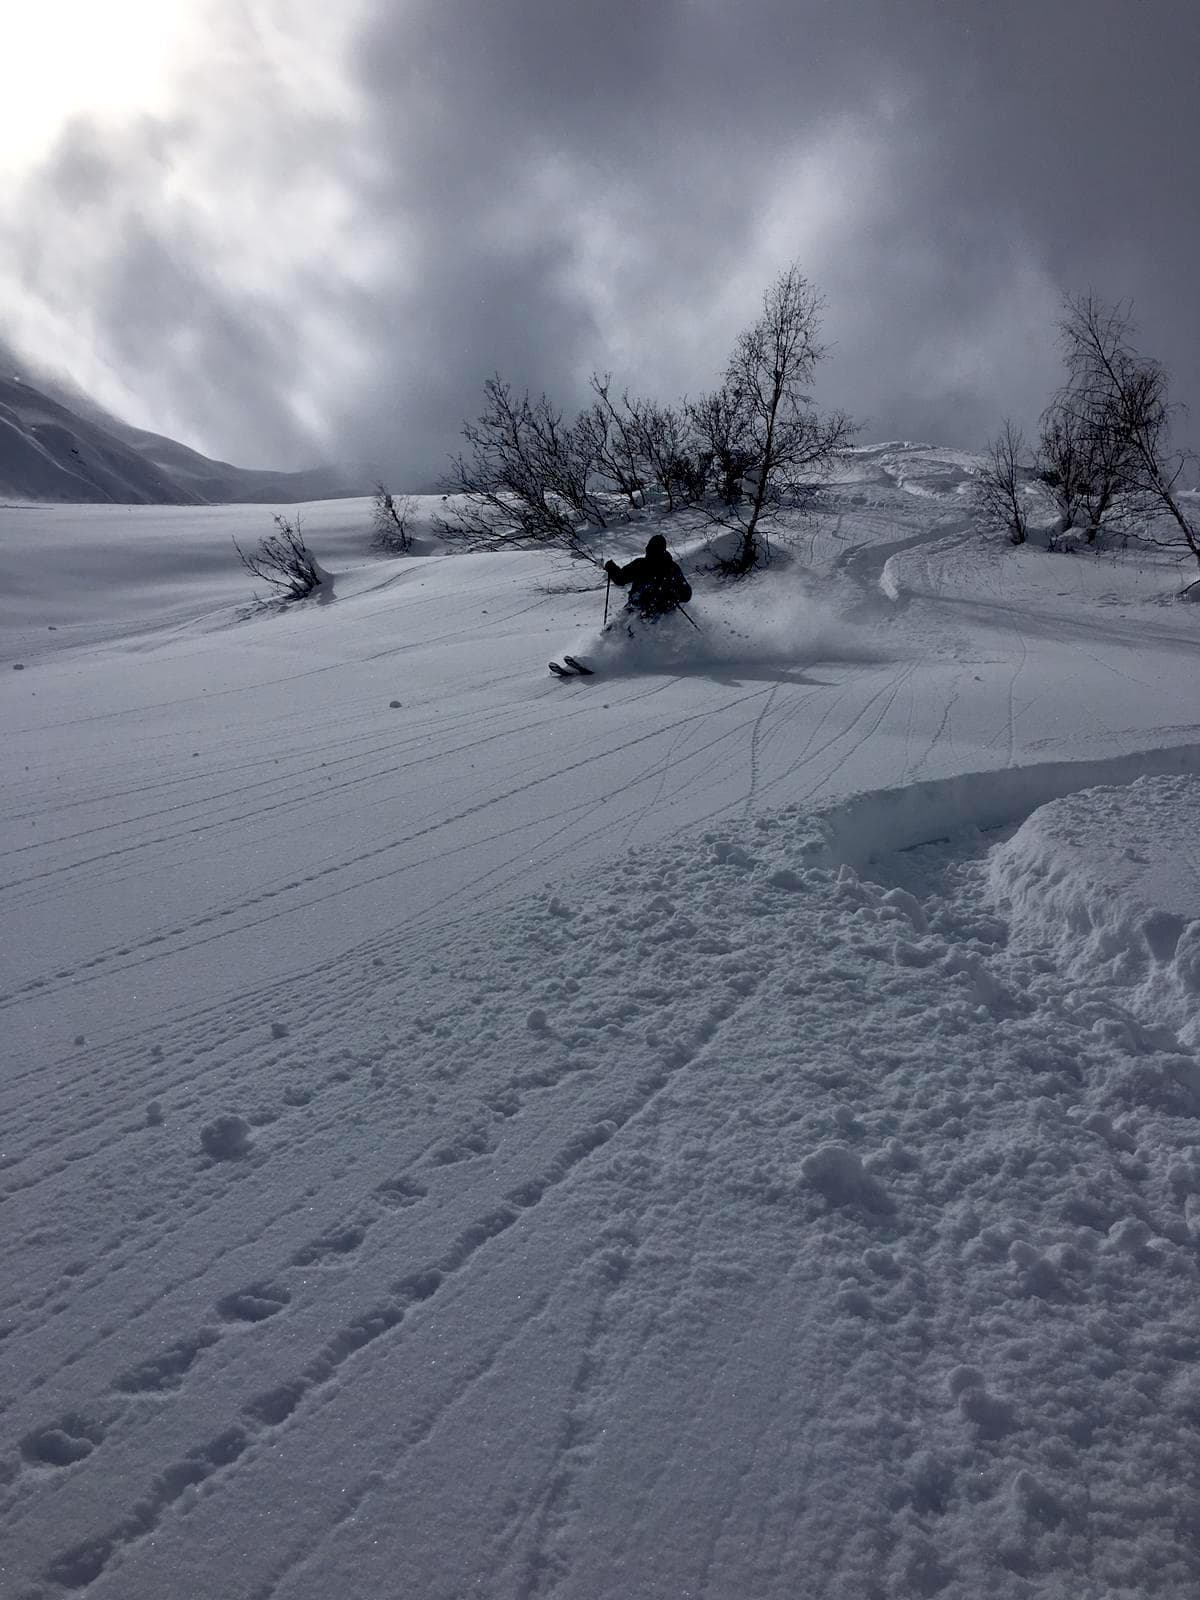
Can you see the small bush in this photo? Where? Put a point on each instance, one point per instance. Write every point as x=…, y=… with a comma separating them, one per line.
x=284, y=561
x=391, y=519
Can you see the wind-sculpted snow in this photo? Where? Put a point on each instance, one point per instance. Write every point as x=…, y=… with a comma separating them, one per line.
x=1108, y=883
x=726, y=1126
x=1161, y=814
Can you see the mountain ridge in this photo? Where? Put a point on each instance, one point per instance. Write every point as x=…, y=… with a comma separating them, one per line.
x=58, y=445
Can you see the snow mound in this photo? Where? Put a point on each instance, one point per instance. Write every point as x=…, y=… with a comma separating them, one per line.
x=1107, y=881
x=837, y=1173
x=931, y=476
x=926, y=471
x=226, y=1138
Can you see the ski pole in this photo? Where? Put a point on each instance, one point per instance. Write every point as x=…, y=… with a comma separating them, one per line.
x=692, y=620
x=607, y=588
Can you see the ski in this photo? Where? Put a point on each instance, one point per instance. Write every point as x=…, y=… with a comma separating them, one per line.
x=561, y=672
x=578, y=666
x=573, y=669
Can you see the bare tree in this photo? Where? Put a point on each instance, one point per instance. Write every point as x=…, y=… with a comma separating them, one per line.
x=284, y=561
x=998, y=487
x=1125, y=396
x=392, y=521
x=1061, y=455
x=766, y=384
x=1107, y=501
x=640, y=445
x=1083, y=460
x=615, y=444
x=722, y=424
x=527, y=476
x=676, y=461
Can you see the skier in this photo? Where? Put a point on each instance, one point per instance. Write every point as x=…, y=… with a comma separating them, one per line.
x=656, y=583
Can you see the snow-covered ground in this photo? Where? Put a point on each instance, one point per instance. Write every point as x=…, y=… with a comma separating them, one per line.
x=723, y=1127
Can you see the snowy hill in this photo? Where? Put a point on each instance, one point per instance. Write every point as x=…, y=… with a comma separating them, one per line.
x=726, y=1126
x=55, y=450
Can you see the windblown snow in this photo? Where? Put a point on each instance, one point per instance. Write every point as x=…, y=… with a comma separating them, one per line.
x=728, y=1126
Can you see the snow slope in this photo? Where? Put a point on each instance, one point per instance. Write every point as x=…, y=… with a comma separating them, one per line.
x=726, y=1126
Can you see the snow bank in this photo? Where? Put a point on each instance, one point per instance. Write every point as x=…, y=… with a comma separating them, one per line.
x=1107, y=882
x=858, y=830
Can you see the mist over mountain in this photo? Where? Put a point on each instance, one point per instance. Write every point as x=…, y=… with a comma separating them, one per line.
x=56, y=444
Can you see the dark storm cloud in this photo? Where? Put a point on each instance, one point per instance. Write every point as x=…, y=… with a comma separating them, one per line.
x=545, y=189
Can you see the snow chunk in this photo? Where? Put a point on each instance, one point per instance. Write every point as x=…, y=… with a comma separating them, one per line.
x=1128, y=1237
x=1038, y=1276
x=837, y=1173
x=785, y=878
x=226, y=1138
x=991, y=1416
x=908, y=906
x=731, y=855
x=1031, y=1499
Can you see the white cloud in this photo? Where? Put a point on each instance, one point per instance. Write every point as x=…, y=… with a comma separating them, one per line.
x=66, y=58
x=273, y=220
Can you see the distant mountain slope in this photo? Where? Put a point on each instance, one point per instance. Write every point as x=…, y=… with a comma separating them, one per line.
x=55, y=447
x=219, y=482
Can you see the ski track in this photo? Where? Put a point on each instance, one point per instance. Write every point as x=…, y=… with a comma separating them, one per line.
x=756, y=731
x=217, y=1459
x=188, y=936
x=393, y=1459
x=507, y=1140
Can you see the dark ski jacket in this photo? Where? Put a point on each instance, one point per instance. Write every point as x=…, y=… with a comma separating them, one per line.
x=656, y=584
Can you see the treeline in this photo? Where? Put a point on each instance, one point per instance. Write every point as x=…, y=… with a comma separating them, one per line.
x=1102, y=463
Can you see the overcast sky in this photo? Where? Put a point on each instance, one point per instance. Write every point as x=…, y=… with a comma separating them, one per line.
x=292, y=230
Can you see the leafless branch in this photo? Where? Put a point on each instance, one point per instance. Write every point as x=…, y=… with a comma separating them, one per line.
x=391, y=520
x=998, y=495
x=284, y=561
